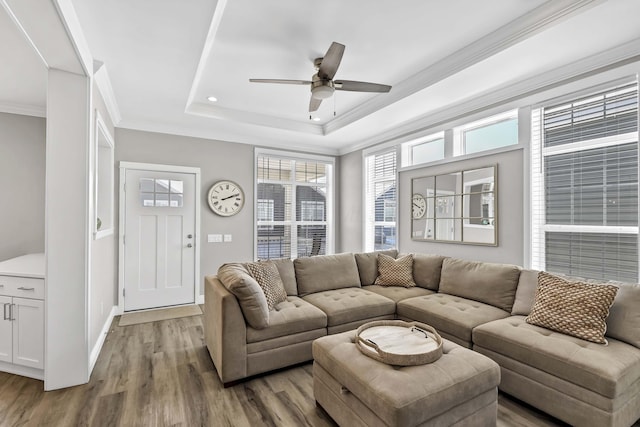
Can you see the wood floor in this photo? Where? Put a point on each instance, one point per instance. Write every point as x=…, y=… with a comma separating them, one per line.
x=160, y=374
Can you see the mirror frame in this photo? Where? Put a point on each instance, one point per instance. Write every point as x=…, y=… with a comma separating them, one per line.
x=429, y=198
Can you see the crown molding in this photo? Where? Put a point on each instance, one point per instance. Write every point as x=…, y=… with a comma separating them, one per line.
x=101, y=77
x=601, y=62
x=522, y=28
x=211, y=111
x=211, y=134
x=23, y=109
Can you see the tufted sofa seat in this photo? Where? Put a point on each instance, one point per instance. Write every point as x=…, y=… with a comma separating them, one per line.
x=602, y=381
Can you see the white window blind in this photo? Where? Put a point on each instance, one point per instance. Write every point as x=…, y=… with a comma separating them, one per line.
x=381, y=195
x=294, y=207
x=585, y=185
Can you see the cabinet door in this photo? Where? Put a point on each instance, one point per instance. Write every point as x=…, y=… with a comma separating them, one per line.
x=28, y=332
x=6, y=342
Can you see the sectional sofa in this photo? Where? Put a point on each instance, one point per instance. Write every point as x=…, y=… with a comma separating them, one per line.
x=477, y=305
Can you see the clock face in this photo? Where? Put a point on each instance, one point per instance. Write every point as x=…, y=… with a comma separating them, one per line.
x=225, y=198
x=418, y=206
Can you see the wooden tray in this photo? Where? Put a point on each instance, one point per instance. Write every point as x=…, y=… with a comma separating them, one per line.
x=396, y=342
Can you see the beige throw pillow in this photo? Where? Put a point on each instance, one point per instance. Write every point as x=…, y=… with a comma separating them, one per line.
x=395, y=272
x=267, y=275
x=573, y=308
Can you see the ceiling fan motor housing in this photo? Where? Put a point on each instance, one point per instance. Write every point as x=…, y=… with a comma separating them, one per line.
x=321, y=89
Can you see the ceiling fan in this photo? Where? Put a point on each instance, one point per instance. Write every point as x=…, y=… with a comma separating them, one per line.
x=322, y=83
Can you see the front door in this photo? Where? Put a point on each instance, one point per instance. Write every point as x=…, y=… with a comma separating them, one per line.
x=159, y=239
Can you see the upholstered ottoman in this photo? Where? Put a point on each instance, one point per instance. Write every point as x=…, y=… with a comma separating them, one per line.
x=458, y=389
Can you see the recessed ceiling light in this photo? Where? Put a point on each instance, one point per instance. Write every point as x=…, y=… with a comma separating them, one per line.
x=316, y=119
x=212, y=99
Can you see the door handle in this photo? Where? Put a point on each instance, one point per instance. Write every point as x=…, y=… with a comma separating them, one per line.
x=189, y=245
x=189, y=236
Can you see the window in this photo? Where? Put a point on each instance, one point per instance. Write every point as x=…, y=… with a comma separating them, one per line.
x=293, y=207
x=423, y=150
x=380, y=210
x=493, y=132
x=103, y=179
x=585, y=185
x=160, y=193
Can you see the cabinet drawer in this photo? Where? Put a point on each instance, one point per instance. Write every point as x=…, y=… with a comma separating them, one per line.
x=23, y=287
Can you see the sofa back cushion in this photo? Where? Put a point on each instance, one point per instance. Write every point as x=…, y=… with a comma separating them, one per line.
x=246, y=289
x=368, y=265
x=426, y=270
x=493, y=284
x=623, y=322
x=287, y=274
x=326, y=272
x=526, y=293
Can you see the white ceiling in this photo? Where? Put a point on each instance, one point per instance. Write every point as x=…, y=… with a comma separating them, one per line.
x=164, y=58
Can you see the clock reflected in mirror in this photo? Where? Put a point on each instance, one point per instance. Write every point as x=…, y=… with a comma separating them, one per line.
x=418, y=206
x=225, y=198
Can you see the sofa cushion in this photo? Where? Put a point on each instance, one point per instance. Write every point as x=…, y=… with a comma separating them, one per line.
x=494, y=284
x=398, y=293
x=289, y=317
x=450, y=315
x=427, y=269
x=608, y=370
x=326, y=272
x=526, y=293
x=236, y=278
x=368, y=265
x=287, y=274
x=623, y=322
x=350, y=305
x=395, y=272
x=573, y=308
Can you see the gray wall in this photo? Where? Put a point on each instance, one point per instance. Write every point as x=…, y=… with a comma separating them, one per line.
x=216, y=160
x=104, y=262
x=350, y=192
x=22, y=168
x=511, y=226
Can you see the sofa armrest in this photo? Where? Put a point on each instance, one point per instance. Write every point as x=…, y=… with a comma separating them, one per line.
x=225, y=331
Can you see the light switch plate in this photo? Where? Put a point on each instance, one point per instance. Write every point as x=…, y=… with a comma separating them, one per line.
x=214, y=238
x=228, y=238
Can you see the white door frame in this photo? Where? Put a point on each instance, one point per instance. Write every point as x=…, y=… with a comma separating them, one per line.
x=124, y=166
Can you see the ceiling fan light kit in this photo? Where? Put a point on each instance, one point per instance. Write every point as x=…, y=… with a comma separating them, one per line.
x=322, y=83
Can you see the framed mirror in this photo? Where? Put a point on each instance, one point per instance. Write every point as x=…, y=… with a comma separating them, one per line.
x=456, y=207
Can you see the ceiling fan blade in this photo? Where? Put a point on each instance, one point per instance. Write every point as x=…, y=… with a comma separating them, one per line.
x=314, y=104
x=331, y=61
x=281, y=81
x=354, y=86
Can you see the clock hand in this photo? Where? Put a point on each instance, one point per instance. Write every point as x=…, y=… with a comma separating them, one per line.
x=228, y=197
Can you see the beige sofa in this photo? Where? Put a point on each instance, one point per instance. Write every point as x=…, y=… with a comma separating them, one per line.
x=474, y=304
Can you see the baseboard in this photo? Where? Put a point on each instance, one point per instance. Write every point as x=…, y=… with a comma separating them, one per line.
x=24, y=371
x=200, y=299
x=95, y=352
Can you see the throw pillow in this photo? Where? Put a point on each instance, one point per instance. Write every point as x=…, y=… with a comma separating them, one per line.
x=573, y=308
x=395, y=272
x=268, y=277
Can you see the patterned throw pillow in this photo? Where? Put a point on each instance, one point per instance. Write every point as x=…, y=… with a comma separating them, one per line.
x=573, y=308
x=395, y=272
x=268, y=277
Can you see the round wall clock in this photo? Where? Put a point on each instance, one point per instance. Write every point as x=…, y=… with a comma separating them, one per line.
x=418, y=206
x=225, y=198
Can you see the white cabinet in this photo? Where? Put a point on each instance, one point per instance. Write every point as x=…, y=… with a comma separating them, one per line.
x=22, y=321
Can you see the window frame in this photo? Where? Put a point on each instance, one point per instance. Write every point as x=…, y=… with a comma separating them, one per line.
x=329, y=223
x=459, y=132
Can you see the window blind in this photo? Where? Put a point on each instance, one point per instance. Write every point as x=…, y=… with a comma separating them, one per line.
x=380, y=201
x=585, y=185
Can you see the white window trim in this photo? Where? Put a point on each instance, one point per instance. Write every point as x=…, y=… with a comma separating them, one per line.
x=330, y=197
